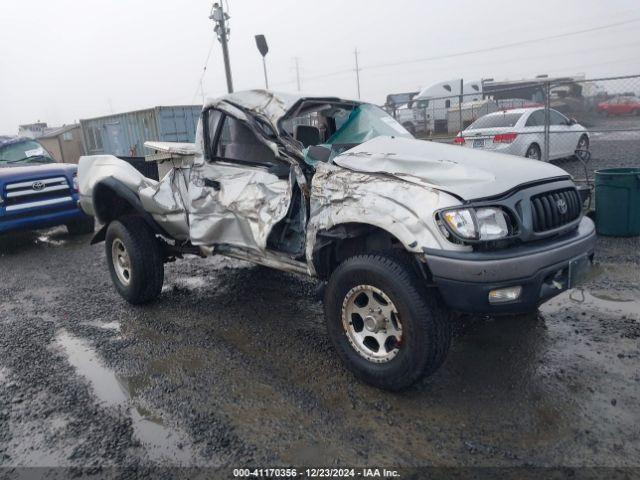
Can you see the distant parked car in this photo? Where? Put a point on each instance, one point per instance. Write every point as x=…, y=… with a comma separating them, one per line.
x=35, y=191
x=620, y=105
x=521, y=132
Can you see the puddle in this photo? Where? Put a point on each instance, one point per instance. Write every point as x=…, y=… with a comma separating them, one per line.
x=191, y=282
x=114, y=326
x=595, y=302
x=160, y=442
x=50, y=241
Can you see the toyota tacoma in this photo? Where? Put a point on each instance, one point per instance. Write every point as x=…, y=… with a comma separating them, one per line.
x=401, y=232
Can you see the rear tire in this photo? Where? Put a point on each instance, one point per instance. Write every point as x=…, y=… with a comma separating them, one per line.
x=533, y=152
x=417, y=317
x=84, y=226
x=135, y=261
x=582, y=147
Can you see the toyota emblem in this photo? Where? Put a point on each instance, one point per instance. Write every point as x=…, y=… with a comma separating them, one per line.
x=37, y=186
x=562, y=206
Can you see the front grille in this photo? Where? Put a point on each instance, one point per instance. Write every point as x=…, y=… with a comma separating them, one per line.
x=36, y=193
x=551, y=210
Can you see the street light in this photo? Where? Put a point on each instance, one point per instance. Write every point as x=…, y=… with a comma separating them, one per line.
x=263, y=48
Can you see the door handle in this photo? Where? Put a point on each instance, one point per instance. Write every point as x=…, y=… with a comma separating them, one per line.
x=212, y=184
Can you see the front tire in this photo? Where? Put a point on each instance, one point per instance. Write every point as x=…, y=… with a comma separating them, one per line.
x=134, y=257
x=385, y=327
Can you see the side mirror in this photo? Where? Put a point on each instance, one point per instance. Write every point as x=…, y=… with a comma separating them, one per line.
x=318, y=153
x=572, y=121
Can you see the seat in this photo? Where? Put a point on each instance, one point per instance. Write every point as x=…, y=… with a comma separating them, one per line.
x=307, y=135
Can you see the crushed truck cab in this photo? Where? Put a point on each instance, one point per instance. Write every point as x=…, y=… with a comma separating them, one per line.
x=401, y=231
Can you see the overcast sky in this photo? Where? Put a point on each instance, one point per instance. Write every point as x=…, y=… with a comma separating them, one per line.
x=62, y=60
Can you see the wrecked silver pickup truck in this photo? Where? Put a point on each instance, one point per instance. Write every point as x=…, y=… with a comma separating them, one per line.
x=402, y=231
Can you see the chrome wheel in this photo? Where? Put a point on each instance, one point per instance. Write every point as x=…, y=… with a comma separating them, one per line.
x=371, y=322
x=533, y=153
x=121, y=261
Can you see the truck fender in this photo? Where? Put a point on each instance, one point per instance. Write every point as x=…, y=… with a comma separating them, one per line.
x=105, y=215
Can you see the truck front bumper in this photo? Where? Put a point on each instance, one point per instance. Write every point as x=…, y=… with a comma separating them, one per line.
x=542, y=271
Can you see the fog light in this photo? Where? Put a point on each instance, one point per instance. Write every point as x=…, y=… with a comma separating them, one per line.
x=503, y=295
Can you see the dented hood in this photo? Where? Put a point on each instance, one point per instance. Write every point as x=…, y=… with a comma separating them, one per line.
x=469, y=174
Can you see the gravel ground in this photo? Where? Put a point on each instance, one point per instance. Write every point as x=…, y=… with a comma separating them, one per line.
x=232, y=367
x=613, y=149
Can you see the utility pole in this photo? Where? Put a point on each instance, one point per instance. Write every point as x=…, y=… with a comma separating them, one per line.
x=547, y=120
x=297, y=72
x=460, y=101
x=357, y=73
x=220, y=18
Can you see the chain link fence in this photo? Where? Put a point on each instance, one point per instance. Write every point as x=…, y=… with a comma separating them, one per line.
x=580, y=124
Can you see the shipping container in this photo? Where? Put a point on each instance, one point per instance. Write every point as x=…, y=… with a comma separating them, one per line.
x=124, y=134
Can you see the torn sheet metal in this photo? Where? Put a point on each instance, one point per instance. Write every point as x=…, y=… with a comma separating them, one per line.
x=242, y=210
x=469, y=175
x=271, y=105
x=164, y=200
x=403, y=209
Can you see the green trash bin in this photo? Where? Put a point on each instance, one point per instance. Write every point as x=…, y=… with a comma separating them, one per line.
x=618, y=202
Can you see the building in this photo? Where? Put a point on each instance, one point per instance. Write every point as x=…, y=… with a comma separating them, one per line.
x=124, y=134
x=64, y=143
x=32, y=130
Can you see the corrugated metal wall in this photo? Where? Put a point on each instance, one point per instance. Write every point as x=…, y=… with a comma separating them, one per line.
x=124, y=134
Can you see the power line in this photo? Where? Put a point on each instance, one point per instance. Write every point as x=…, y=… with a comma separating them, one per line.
x=467, y=52
x=204, y=71
x=516, y=60
x=502, y=47
x=472, y=52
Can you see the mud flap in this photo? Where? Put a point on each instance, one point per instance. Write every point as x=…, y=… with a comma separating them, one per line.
x=100, y=235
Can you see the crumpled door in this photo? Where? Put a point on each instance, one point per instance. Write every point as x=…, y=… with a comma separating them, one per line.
x=232, y=202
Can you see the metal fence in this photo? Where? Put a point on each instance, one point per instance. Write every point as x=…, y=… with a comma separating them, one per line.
x=563, y=120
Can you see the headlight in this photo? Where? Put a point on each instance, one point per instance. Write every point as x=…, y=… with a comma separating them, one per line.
x=462, y=223
x=492, y=223
x=486, y=223
x=76, y=185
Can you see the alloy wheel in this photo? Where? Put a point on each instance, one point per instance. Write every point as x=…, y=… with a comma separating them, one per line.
x=372, y=324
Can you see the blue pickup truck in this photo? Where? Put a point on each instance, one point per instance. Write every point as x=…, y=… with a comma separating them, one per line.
x=36, y=192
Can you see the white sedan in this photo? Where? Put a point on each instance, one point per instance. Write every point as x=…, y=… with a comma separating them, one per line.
x=521, y=132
